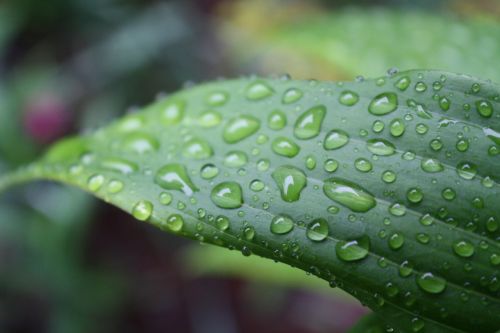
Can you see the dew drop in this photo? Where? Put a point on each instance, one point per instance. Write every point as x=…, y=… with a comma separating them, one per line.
x=463, y=248
x=175, y=222
x=227, y=195
x=397, y=127
x=257, y=185
x=310, y=162
x=209, y=119
x=222, y=223
x=383, y=103
x=336, y=139
x=353, y=250
x=175, y=177
x=308, y=124
x=331, y=165
x=95, y=182
x=119, y=165
x=240, y=128
x=258, y=90
x=140, y=143
x=197, y=149
x=292, y=95
x=389, y=176
x=378, y=126
x=415, y=195
x=403, y=83
x=115, y=186
x=317, y=230
x=235, y=159
x=430, y=283
x=396, y=241
x=285, y=147
x=217, y=98
x=397, y=209
x=349, y=194
x=348, y=98
x=467, y=170
x=165, y=198
x=380, y=147
x=209, y=171
x=291, y=181
x=276, y=120
x=484, y=108
x=142, y=210
x=171, y=111
x=281, y=224
x=431, y=165
x=363, y=165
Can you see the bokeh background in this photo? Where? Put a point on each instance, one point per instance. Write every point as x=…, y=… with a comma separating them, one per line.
x=69, y=263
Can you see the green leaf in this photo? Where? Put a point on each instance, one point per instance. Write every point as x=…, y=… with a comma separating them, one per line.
x=370, y=323
x=391, y=193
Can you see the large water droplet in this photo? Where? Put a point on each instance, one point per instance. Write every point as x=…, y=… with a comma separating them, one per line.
x=285, y=147
x=396, y=241
x=140, y=143
x=119, y=165
x=463, y=248
x=484, y=108
x=431, y=283
x=383, y=103
x=281, y=224
x=175, y=222
x=175, y=177
x=292, y=95
x=290, y=181
x=142, y=210
x=363, y=165
x=317, y=230
x=403, y=83
x=349, y=194
x=222, y=223
x=336, y=139
x=197, y=149
x=467, y=170
x=95, y=182
x=415, y=195
x=258, y=90
x=431, y=165
x=353, y=250
x=240, y=128
x=235, y=159
x=397, y=127
x=348, y=98
x=308, y=124
x=381, y=147
x=227, y=195
x=276, y=120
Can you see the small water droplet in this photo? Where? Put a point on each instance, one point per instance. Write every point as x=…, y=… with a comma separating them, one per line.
x=484, y=108
x=378, y=126
x=317, y=230
x=348, y=98
x=397, y=127
x=308, y=124
x=431, y=165
x=383, y=103
x=331, y=165
x=276, y=120
x=217, y=98
x=257, y=185
x=119, y=165
x=285, y=147
x=396, y=241
x=240, y=128
x=175, y=222
x=415, y=195
x=171, y=111
x=115, y=186
x=197, y=149
x=140, y=143
x=209, y=171
x=292, y=95
x=349, y=194
x=353, y=250
x=222, y=223
x=397, y=209
x=363, y=165
x=258, y=90
x=420, y=86
x=403, y=83
x=463, y=248
x=95, y=182
x=165, y=198
x=175, y=177
x=430, y=283
x=380, y=147
x=389, y=176
x=281, y=224
x=467, y=170
x=235, y=159
x=336, y=139
x=209, y=118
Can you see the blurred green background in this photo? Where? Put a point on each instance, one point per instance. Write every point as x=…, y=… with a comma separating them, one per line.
x=69, y=263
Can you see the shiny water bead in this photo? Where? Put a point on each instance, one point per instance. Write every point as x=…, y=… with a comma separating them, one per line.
x=209, y=171
x=383, y=103
x=115, y=186
x=335, y=139
x=276, y=120
x=378, y=126
x=467, y=170
x=317, y=230
x=222, y=223
x=227, y=195
x=197, y=149
x=119, y=165
x=142, y=210
x=462, y=145
x=175, y=177
x=348, y=98
x=431, y=165
x=235, y=159
x=397, y=127
x=405, y=269
x=257, y=185
x=431, y=283
x=436, y=144
x=448, y=194
x=291, y=181
x=95, y=182
x=209, y=119
x=415, y=195
x=292, y=95
x=420, y=87
x=353, y=250
x=240, y=128
x=492, y=224
x=131, y=123
x=380, y=147
x=249, y=233
x=165, y=198
x=444, y=103
x=175, y=222
x=389, y=176
x=397, y=209
x=423, y=238
x=349, y=194
x=463, y=248
x=263, y=164
x=331, y=165
x=217, y=98
x=396, y=241
x=308, y=124
x=421, y=129
x=484, y=108
x=258, y=90
x=140, y=143
x=281, y=224
x=310, y=162
x=403, y=83
x=171, y=111
x=363, y=165
x=426, y=220
x=285, y=147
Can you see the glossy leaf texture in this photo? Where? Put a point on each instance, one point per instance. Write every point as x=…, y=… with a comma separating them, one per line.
x=387, y=188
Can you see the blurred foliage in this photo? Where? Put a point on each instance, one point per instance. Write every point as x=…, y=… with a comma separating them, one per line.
x=309, y=43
